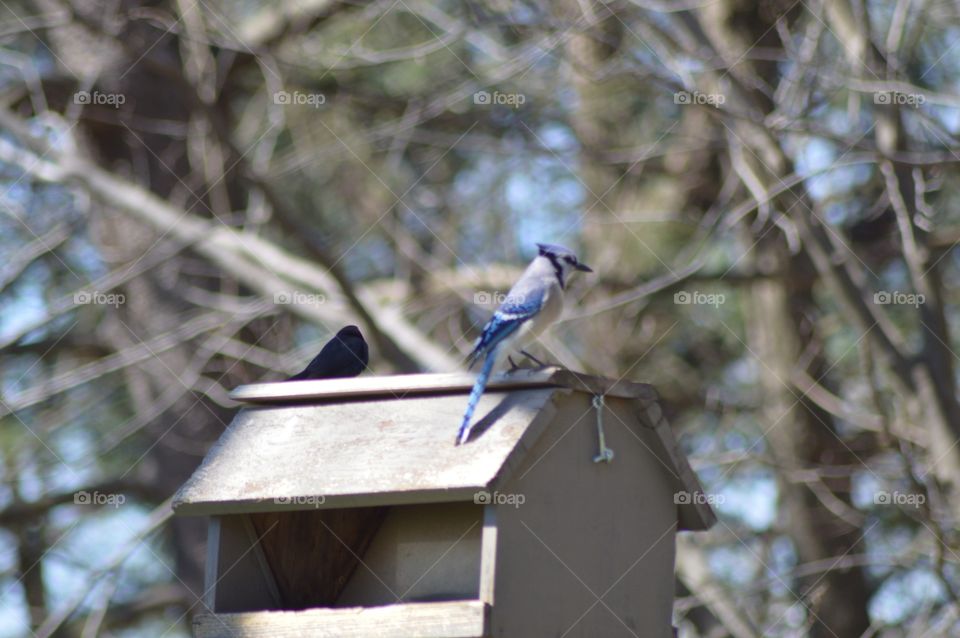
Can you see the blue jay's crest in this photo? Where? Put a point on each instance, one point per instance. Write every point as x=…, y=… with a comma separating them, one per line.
x=553, y=249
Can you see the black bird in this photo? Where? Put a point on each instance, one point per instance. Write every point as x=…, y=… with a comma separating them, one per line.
x=346, y=355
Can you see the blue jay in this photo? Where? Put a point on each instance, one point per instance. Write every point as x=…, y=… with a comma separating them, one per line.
x=534, y=302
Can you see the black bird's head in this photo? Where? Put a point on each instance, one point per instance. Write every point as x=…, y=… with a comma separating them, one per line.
x=349, y=331
x=564, y=261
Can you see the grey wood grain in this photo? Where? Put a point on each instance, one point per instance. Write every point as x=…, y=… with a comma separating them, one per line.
x=357, y=453
x=459, y=619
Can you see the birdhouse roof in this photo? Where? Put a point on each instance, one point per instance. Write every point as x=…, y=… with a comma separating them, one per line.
x=388, y=440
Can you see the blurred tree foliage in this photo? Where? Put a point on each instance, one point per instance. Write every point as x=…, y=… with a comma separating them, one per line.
x=195, y=195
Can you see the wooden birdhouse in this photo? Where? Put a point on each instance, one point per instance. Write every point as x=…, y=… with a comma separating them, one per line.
x=342, y=508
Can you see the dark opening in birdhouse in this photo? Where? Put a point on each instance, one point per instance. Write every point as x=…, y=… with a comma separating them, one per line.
x=363, y=556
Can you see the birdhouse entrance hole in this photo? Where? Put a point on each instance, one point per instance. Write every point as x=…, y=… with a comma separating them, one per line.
x=367, y=556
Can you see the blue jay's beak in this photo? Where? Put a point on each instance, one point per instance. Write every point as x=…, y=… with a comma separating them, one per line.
x=584, y=268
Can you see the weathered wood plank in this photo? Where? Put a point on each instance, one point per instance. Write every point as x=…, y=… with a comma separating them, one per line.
x=358, y=453
x=457, y=619
x=211, y=571
x=400, y=386
x=488, y=554
x=695, y=515
x=610, y=524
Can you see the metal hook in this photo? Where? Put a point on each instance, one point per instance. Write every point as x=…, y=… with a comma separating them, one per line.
x=606, y=454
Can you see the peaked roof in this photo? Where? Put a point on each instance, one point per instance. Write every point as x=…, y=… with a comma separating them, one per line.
x=380, y=450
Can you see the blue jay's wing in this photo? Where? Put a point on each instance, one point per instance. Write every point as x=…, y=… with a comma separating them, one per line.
x=523, y=302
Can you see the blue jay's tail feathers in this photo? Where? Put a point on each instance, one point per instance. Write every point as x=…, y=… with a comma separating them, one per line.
x=481, y=383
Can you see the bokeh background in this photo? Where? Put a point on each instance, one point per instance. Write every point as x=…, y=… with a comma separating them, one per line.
x=196, y=194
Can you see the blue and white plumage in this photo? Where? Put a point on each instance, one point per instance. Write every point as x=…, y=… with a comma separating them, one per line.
x=534, y=302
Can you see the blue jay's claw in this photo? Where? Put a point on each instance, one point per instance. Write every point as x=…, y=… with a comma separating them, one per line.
x=539, y=363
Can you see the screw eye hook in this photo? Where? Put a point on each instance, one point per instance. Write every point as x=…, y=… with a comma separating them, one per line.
x=606, y=454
